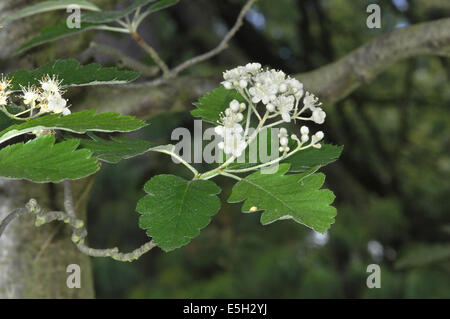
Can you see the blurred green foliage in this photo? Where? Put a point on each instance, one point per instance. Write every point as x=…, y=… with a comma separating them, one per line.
x=392, y=182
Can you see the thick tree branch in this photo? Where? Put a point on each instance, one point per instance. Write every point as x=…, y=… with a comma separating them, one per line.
x=331, y=83
x=79, y=231
x=335, y=81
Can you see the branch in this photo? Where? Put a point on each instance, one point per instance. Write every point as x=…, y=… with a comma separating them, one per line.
x=153, y=54
x=222, y=45
x=331, y=83
x=79, y=232
x=337, y=80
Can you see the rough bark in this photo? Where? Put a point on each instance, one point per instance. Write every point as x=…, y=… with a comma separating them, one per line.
x=33, y=261
x=331, y=83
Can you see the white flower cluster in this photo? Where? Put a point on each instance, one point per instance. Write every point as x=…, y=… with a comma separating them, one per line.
x=4, y=92
x=48, y=98
x=230, y=130
x=280, y=95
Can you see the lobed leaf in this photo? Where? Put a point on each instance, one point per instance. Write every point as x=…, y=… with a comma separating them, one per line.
x=6, y=121
x=41, y=160
x=46, y=6
x=160, y=5
x=110, y=16
x=310, y=157
x=175, y=209
x=210, y=105
x=115, y=149
x=56, y=32
x=79, y=122
x=281, y=196
x=71, y=73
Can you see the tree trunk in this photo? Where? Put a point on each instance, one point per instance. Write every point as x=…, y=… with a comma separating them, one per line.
x=33, y=261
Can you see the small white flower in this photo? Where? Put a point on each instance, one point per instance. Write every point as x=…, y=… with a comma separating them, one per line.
x=235, y=106
x=284, y=105
x=284, y=141
x=243, y=84
x=230, y=121
x=3, y=99
x=270, y=107
x=224, y=130
x=283, y=132
x=253, y=68
x=30, y=95
x=264, y=93
x=50, y=84
x=320, y=135
x=4, y=85
x=305, y=138
x=55, y=103
x=296, y=87
x=227, y=85
x=233, y=143
x=317, y=137
x=310, y=101
x=304, y=130
x=318, y=115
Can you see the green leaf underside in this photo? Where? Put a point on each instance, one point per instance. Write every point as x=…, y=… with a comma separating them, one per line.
x=79, y=122
x=41, y=160
x=280, y=196
x=160, y=5
x=46, y=6
x=59, y=31
x=110, y=16
x=115, y=149
x=310, y=157
x=71, y=73
x=210, y=105
x=175, y=210
x=6, y=121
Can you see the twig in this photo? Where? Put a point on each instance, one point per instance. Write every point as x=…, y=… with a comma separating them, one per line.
x=68, y=199
x=153, y=54
x=222, y=45
x=200, y=58
x=79, y=231
x=8, y=219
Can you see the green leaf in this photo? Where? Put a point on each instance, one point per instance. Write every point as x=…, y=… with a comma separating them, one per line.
x=283, y=196
x=175, y=210
x=41, y=160
x=6, y=121
x=160, y=5
x=79, y=122
x=71, y=73
x=210, y=105
x=310, y=157
x=116, y=149
x=110, y=16
x=423, y=254
x=59, y=31
x=46, y=6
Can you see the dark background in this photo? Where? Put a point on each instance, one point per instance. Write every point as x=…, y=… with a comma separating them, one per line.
x=392, y=181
